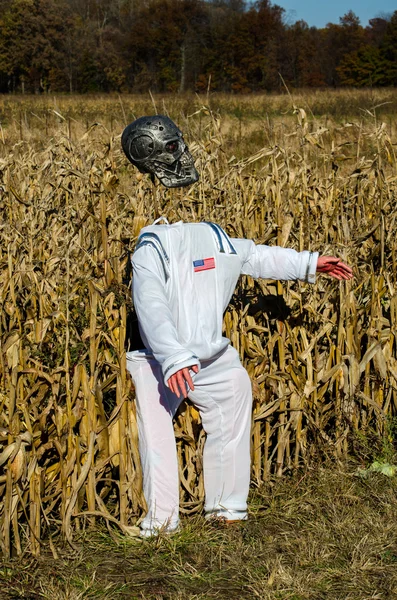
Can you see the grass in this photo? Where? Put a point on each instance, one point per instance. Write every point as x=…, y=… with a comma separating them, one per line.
x=248, y=122
x=324, y=533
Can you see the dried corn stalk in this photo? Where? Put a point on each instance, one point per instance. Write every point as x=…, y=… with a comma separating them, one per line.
x=322, y=359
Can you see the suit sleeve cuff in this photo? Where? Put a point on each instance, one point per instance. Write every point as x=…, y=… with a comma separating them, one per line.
x=177, y=362
x=311, y=267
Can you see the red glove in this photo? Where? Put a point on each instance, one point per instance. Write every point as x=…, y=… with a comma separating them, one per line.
x=334, y=267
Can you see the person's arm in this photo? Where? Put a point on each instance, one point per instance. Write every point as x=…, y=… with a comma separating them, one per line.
x=154, y=314
x=274, y=262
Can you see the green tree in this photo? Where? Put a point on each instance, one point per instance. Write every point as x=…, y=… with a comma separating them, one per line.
x=338, y=41
x=388, y=49
x=364, y=67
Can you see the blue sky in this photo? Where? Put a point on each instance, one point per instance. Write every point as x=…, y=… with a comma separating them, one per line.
x=318, y=13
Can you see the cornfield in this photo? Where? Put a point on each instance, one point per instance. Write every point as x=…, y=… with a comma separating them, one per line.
x=322, y=358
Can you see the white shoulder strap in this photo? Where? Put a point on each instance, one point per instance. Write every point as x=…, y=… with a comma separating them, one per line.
x=164, y=219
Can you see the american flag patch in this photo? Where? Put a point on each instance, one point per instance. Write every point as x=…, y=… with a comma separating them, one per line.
x=204, y=264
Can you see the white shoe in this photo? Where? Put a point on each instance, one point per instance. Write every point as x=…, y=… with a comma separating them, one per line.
x=227, y=516
x=156, y=531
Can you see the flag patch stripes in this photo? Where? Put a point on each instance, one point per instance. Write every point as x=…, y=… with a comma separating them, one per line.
x=204, y=264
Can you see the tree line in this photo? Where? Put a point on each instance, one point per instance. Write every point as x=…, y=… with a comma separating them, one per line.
x=185, y=45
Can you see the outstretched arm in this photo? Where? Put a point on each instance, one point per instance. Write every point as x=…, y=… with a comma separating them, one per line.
x=273, y=262
x=334, y=267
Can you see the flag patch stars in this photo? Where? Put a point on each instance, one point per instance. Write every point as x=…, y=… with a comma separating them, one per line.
x=204, y=264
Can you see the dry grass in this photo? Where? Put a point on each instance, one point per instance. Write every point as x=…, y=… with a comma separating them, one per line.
x=323, y=534
x=322, y=359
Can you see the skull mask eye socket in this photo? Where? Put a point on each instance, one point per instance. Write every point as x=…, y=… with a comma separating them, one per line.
x=172, y=147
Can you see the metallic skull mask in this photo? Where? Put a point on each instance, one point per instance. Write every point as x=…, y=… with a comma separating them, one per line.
x=155, y=145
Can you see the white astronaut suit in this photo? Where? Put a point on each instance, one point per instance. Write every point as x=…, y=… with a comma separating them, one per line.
x=184, y=275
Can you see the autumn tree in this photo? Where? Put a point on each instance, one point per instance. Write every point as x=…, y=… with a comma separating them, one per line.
x=32, y=43
x=165, y=42
x=176, y=45
x=301, y=56
x=375, y=63
x=388, y=49
x=339, y=40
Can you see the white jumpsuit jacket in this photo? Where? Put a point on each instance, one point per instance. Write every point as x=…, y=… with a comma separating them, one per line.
x=184, y=275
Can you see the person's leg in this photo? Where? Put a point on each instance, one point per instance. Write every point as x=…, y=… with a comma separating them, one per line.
x=156, y=405
x=224, y=398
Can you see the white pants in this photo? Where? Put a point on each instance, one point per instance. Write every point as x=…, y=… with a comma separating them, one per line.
x=222, y=394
